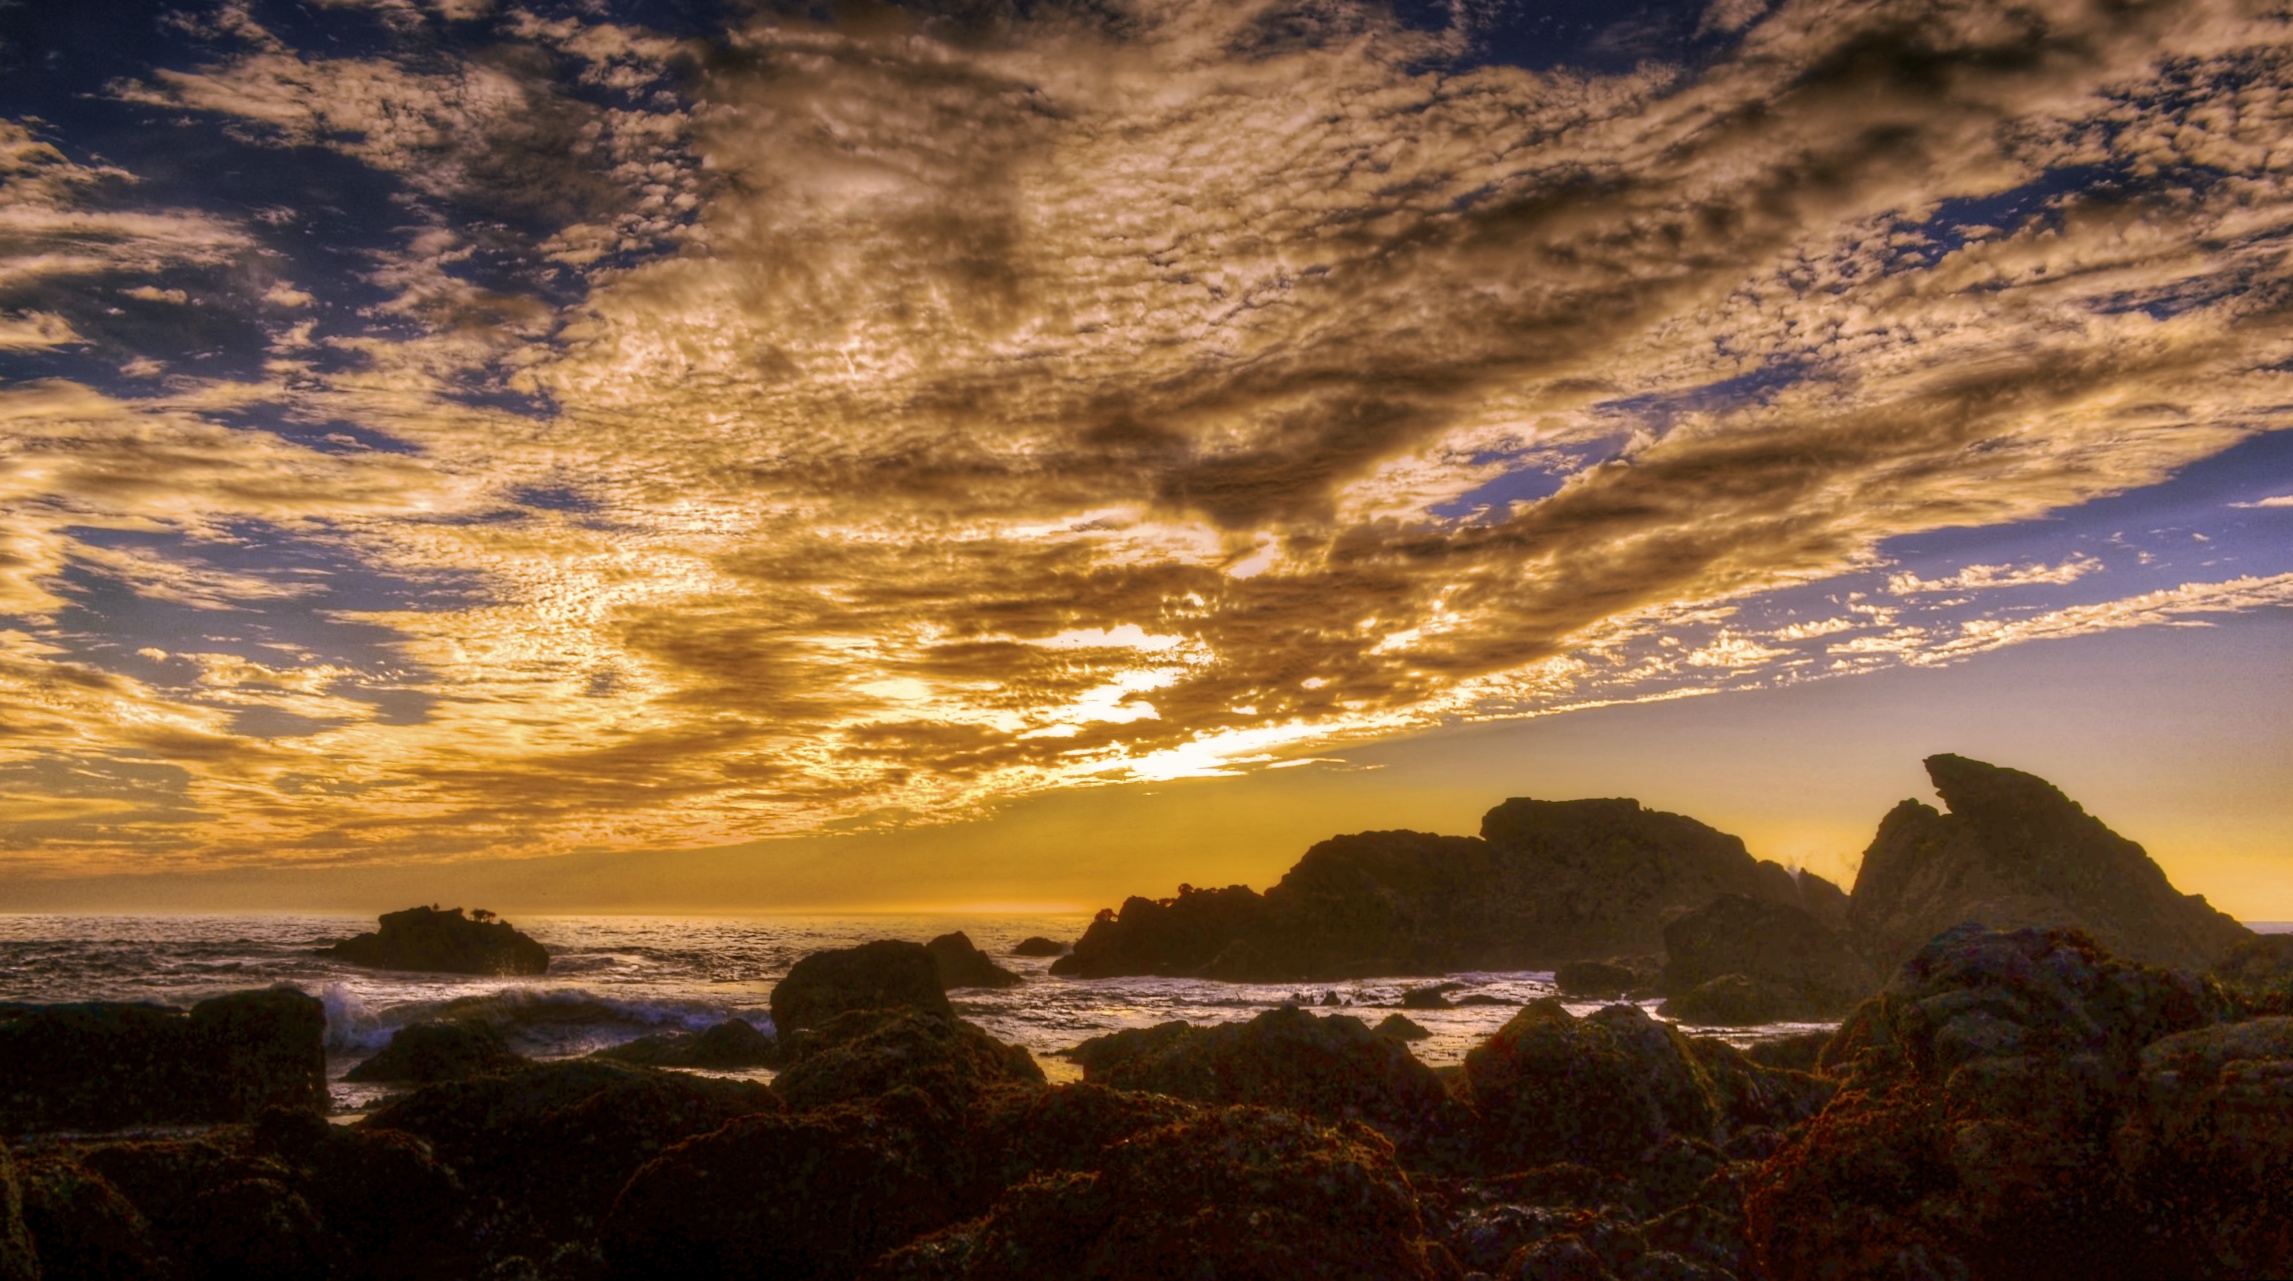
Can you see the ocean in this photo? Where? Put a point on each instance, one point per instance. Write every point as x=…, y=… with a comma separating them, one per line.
x=615, y=978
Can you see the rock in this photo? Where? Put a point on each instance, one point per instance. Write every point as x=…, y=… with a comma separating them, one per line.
x=962, y=965
x=1234, y=1192
x=1800, y=968
x=2259, y=973
x=18, y=1262
x=1824, y=901
x=1102, y=1055
x=2015, y=852
x=2206, y=1151
x=549, y=1146
x=444, y=942
x=395, y=1209
x=1330, y=1068
x=728, y=1046
x=1066, y=1127
x=1598, y=980
x=1037, y=945
x=1435, y=997
x=85, y=1227
x=867, y=1053
x=448, y=1050
x=1798, y=1051
x=1969, y=1132
x=1398, y=1027
x=1546, y=883
x=813, y=1194
x=884, y=975
x=1736, y=1000
x=254, y=1229
x=101, y=1067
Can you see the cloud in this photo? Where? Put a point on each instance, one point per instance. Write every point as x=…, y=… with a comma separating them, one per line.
x=1986, y=577
x=2279, y=500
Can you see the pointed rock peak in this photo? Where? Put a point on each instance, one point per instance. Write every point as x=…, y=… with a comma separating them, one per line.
x=1978, y=790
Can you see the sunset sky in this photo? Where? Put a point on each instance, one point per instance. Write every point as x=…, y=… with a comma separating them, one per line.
x=707, y=454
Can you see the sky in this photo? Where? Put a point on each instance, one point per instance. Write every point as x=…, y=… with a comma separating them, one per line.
x=704, y=454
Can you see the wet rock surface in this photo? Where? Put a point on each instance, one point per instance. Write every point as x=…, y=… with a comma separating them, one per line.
x=107, y=1066
x=444, y=941
x=448, y=1050
x=728, y=1046
x=864, y=1053
x=884, y=975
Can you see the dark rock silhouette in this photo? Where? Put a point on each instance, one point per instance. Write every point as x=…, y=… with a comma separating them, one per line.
x=101, y=1066
x=1546, y=883
x=446, y=1050
x=446, y=942
x=1970, y=1134
x=865, y=1053
x=1826, y=902
x=1330, y=1068
x=963, y=965
x=884, y=975
x=1787, y=963
x=727, y=1046
x=82, y=1226
x=1232, y=1192
x=1601, y=980
x=394, y=1209
x=2015, y=852
x=1434, y=997
x=1037, y=945
x=1400, y=1027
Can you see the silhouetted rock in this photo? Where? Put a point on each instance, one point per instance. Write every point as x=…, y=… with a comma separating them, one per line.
x=444, y=942
x=82, y=1226
x=100, y=1067
x=448, y=1050
x=1399, y=1027
x=812, y=1194
x=546, y=1148
x=1234, y=1192
x=865, y=1053
x=963, y=965
x=1969, y=1134
x=1599, y=980
x=1824, y=901
x=1787, y=965
x=884, y=975
x=1037, y=945
x=727, y=1046
x=393, y=1208
x=1547, y=882
x=1330, y=1068
x=18, y=1262
x=1435, y=997
x=2015, y=852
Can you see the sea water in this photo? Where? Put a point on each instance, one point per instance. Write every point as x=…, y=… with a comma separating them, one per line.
x=612, y=979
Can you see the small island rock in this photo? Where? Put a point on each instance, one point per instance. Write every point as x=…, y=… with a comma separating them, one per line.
x=885, y=975
x=963, y=965
x=444, y=941
x=1037, y=945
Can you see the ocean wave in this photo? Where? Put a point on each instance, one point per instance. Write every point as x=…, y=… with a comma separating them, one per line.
x=545, y=1021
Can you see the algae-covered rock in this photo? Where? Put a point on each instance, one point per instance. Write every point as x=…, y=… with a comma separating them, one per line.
x=884, y=975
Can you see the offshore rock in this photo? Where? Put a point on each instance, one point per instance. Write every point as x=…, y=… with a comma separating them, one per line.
x=444, y=941
x=545, y=1149
x=1330, y=1069
x=867, y=1053
x=1970, y=1132
x=1735, y=1000
x=102, y=1066
x=814, y=1194
x=963, y=965
x=1037, y=945
x=1400, y=1027
x=1233, y=1192
x=1546, y=883
x=1803, y=969
x=1600, y=980
x=2014, y=852
x=447, y=1050
x=884, y=975
x=728, y=1046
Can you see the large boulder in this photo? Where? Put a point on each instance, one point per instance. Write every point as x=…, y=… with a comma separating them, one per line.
x=1970, y=1131
x=884, y=975
x=446, y=1050
x=2014, y=853
x=394, y=1209
x=106, y=1066
x=866, y=1053
x=1331, y=1069
x=963, y=965
x=1037, y=945
x=1777, y=946
x=1599, y=1090
x=727, y=1046
x=1232, y=1192
x=444, y=941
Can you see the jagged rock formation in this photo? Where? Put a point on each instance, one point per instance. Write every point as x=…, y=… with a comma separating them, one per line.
x=1545, y=883
x=2015, y=852
x=444, y=941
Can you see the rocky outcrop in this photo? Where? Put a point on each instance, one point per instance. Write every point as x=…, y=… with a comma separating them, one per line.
x=1231, y=1192
x=1971, y=1133
x=1739, y=960
x=1602, y=980
x=963, y=965
x=884, y=975
x=84, y=1227
x=1037, y=945
x=2014, y=852
x=102, y=1067
x=1331, y=1069
x=728, y=1046
x=862, y=1054
x=2206, y=1149
x=447, y=1050
x=444, y=941
x=1546, y=883
x=2259, y=973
